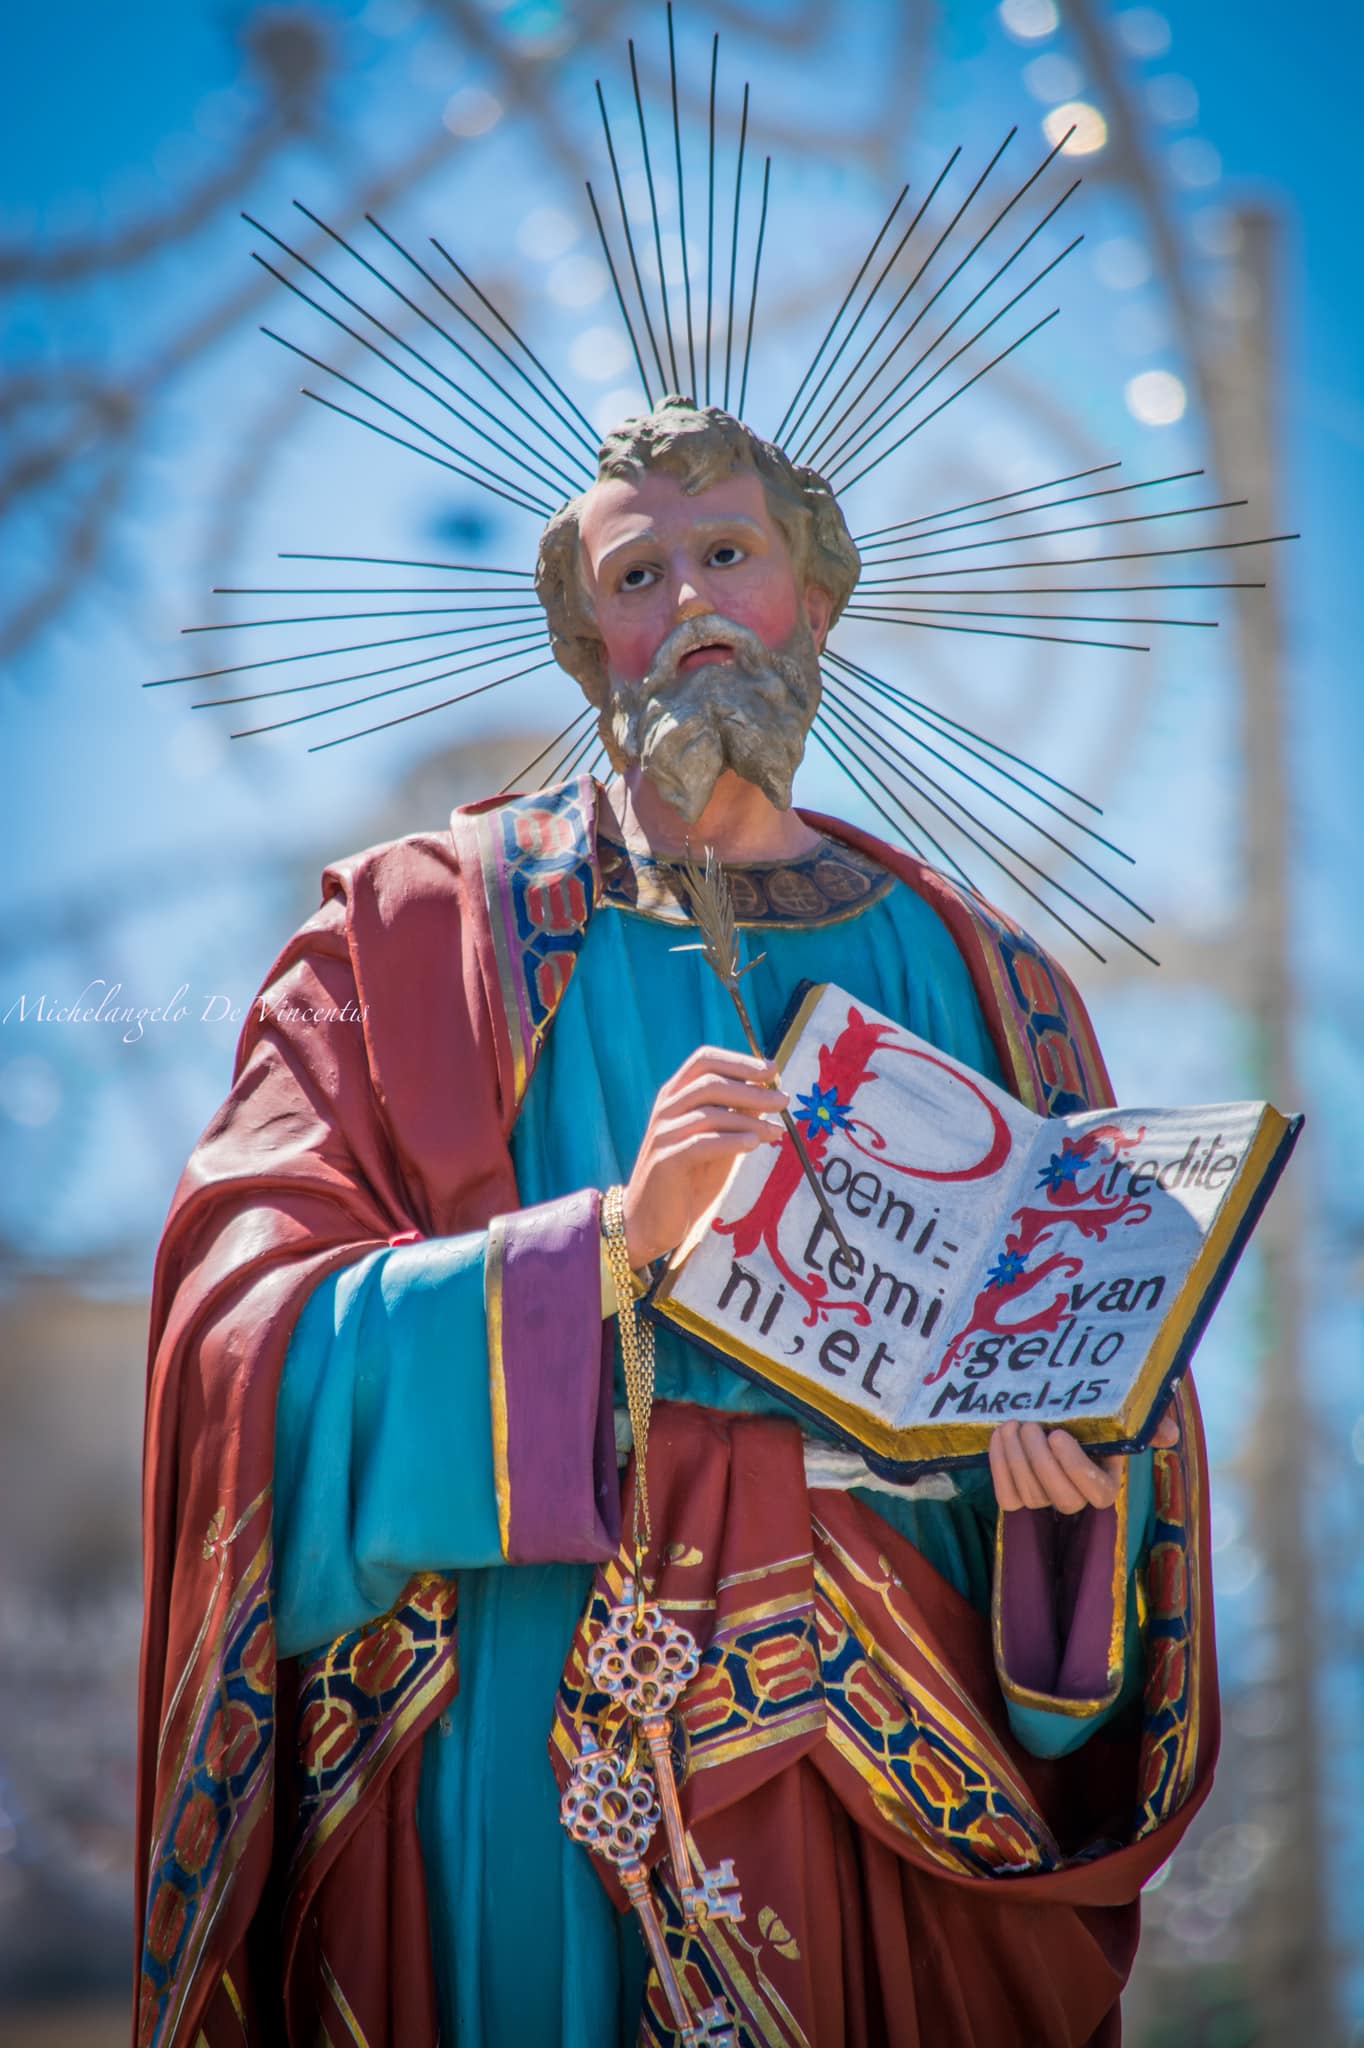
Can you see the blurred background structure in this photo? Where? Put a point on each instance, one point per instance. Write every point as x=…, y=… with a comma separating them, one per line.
x=152, y=445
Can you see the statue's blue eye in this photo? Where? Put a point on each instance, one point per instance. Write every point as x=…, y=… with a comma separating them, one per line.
x=638, y=578
x=726, y=555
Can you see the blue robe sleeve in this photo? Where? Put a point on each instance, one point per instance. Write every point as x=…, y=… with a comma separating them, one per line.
x=383, y=1438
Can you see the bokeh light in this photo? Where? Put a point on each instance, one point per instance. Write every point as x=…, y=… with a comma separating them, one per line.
x=1091, y=129
x=1143, y=31
x=1052, y=77
x=1156, y=398
x=472, y=111
x=1029, y=20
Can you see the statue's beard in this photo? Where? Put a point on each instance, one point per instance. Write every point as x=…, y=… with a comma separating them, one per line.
x=751, y=713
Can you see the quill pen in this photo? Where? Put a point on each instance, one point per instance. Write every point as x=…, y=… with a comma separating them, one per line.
x=712, y=906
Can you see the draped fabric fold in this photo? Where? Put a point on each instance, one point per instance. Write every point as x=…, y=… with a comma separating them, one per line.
x=847, y=1748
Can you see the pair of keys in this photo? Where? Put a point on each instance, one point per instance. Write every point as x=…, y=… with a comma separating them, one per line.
x=643, y=1661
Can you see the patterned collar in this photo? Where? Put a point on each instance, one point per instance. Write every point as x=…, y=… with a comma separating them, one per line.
x=824, y=887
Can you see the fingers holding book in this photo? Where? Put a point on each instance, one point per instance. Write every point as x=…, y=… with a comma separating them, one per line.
x=1034, y=1467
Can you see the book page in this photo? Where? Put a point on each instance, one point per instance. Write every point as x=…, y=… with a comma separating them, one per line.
x=1116, y=1207
x=919, y=1157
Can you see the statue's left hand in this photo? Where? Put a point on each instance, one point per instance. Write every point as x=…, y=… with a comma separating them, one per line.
x=1034, y=1467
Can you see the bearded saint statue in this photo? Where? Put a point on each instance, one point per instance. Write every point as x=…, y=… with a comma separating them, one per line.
x=944, y=1732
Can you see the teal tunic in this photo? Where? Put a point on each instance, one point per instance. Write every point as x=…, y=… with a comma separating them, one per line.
x=383, y=1462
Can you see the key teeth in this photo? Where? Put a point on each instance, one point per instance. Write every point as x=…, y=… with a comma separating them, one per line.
x=714, y=2028
x=716, y=1896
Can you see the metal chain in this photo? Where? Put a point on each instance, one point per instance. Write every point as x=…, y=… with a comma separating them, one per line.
x=637, y=1353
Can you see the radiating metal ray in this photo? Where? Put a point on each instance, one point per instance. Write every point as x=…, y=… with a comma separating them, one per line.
x=363, y=675
x=574, y=764
x=514, y=601
x=507, y=396
x=406, y=717
x=1210, y=547
x=1062, y=618
x=954, y=817
x=868, y=303
x=710, y=212
x=404, y=562
x=587, y=437
x=865, y=431
x=521, y=773
x=466, y=668
x=423, y=611
x=556, y=770
x=916, y=775
x=853, y=448
x=984, y=371
x=308, y=654
x=847, y=297
x=829, y=712
x=996, y=633
x=653, y=215
x=334, y=683
x=488, y=477
x=967, y=547
x=941, y=718
x=399, y=341
x=812, y=437
x=681, y=201
x=620, y=295
x=523, y=502
x=564, y=419
x=955, y=273
x=515, y=648
x=906, y=706
x=1149, y=483
x=753, y=295
x=734, y=243
x=1057, y=589
x=630, y=248
x=897, y=825
x=974, y=504
x=868, y=704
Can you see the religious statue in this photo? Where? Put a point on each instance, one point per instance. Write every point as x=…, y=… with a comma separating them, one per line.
x=933, y=1738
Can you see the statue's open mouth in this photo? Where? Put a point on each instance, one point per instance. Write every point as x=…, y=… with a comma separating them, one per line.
x=711, y=650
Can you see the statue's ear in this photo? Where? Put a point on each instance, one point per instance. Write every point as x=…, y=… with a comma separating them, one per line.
x=819, y=608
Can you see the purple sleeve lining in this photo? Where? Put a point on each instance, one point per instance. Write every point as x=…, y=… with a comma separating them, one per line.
x=552, y=1357
x=1056, y=1598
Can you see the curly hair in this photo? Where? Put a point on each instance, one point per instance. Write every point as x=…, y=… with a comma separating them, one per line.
x=702, y=446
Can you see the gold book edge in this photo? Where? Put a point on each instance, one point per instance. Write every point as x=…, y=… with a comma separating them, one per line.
x=925, y=1443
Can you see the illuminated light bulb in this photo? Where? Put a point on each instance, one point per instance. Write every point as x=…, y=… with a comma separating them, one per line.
x=1156, y=398
x=1091, y=129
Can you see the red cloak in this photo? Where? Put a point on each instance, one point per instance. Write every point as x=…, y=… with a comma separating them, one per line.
x=280, y=1879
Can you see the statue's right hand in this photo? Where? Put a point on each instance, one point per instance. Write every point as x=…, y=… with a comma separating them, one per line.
x=717, y=1105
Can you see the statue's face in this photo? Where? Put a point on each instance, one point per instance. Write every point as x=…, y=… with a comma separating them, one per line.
x=711, y=648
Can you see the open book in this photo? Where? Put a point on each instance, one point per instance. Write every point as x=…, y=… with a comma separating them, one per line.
x=998, y=1265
